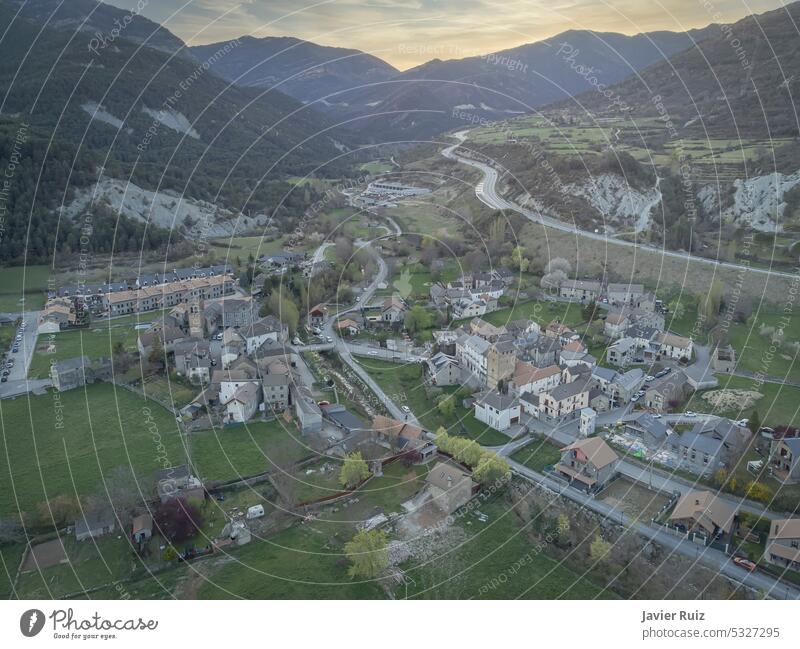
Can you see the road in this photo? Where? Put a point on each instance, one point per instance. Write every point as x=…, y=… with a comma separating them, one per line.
x=18, y=382
x=486, y=192
x=711, y=558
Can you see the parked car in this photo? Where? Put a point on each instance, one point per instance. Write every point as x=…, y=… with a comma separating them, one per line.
x=649, y=379
x=406, y=409
x=690, y=413
x=744, y=563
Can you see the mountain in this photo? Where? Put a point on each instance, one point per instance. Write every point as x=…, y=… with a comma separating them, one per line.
x=441, y=95
x=740, y=81
x=100, y=20
x=304, y=70
x=142, y=116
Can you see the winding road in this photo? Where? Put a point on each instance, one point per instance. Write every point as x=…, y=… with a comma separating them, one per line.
x=486, y=192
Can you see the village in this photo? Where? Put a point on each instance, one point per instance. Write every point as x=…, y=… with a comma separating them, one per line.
x=599, y=419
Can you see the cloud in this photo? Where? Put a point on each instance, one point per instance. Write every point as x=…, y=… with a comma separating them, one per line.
x=386, y=27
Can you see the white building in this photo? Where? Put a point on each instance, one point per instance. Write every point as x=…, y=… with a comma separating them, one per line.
x=587, y=422
x=498, y=411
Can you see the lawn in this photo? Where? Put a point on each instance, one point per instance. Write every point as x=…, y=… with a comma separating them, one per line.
x=91, y=564
x=780, y=404
x=229, y=453
x=403, y=384
x=541, y=312
x=538, y=455
x=753, y=347
x=17, y=282
x=95, y=342
x=497, y=561
x=63, y=444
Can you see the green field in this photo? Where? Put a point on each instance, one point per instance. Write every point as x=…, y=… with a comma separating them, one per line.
x=403, y=384
x=63, y=444
x=17, y=282
x=230, y=453
x=538, y=455
x=228, y=249
x=486, y=566
x=95, y=342
x=753, y=347
x=779, y=406
x=541, y=312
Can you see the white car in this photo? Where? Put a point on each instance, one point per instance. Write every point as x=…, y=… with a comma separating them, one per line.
x=690, y=414
x=406, y=409
x=635, y=398
x=743, y=423
x=649, y=379
x=657, y=415
x=329, y=339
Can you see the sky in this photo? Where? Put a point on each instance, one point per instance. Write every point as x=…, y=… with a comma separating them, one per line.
x=409, y=32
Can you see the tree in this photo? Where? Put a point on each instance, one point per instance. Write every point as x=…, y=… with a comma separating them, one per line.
x=467, y=451
x=368, y=552
x=599, y=550
x=758, y=491
x=344, y=249
x=709, y=304
x=178, y=520
x=755, y=422
x=558, y=264
x=447, y=406
x=354, y=470
x=157, y=355
x=562, y=528
x=59, y=511
x=284, y=309
x=417, y=319
x=590, y=312
x=491, y=469
x=720, y=477
x=518, y=259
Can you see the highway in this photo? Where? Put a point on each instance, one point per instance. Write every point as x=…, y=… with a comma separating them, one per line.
x=486, y=192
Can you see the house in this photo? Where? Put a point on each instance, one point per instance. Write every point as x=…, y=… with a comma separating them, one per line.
x=622, y=353
x=625, y=385
x=590, y=462
x=723, y=359
x=275, y=391
x=615, y=325
x=229, y=312
x=667, y=393
x=565, y=399
x=449, y=486
x=93, y=524
x=530, y=404
x=544, y=351
x=703, y=512
x=342, y=418
x=675, y=347
x=528, y=378
x=393, y=310
x=348, y=326
x=142, y=528
x=308, y=413
x=588, y=422
x=168, y=336
x=268, y=328
x=55, y=316
x=653, y=432
x=243, y=404
x=603, y=378
x=399, y=434
x=783, y=544
x=469, y=307
x=233, y=346
x=582, y=290
x=230, y=380
x=571, y=358
x=561, y=332
x=712, y=443
x=498, y=411
x=193, y=360
x=441, y=369
x=471, y=353
x=76, y=372
x=490, y=332
x=282, y=260
x=622, y=294
x=784, y=459
x=317, y=315
x=178, y=482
